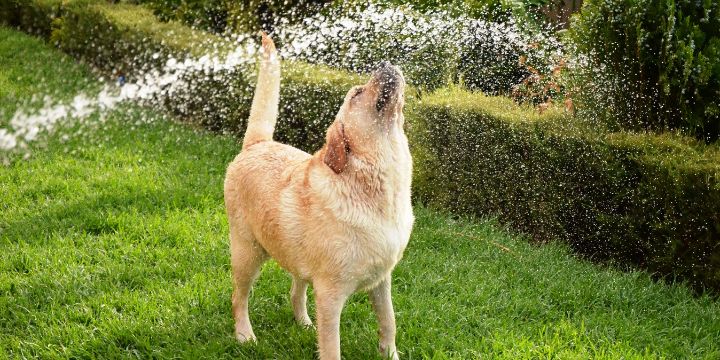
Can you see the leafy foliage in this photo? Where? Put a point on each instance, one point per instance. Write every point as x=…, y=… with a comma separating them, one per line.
x=655, y=63
x=221, y=16
x=434, y=48
x=476, y=43
x=648, y=200
x=211, y=15
x=480, y=9
x=32, y=16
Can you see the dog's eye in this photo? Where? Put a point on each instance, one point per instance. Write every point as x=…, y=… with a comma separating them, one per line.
x=357, y=92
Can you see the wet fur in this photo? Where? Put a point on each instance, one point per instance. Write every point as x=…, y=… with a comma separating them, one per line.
x=339, y=219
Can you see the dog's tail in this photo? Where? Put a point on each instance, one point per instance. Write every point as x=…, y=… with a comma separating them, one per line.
x=264, y=109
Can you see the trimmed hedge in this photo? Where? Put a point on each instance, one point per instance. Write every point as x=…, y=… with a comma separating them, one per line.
x=221, y=16
x=31, y=16
x=127, y=39
x=653, y=201
x=120, y=37
x=648, y=200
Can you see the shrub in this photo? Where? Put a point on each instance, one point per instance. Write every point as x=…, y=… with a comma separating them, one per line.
x=211, y=15
x=493, y=10
x=451, y=43
x=655, y=63
x=128, y=39
x=253, y=15
x=533, y=13
x=32, y=16
x=220, y=16
x=652, y=201
x=434, y=49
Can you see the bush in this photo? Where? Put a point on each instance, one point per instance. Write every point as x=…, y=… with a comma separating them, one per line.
x=128, y=39
x=434, y=49
x=220, y=16
x=652, y=201
x=254, y=15
x=31, y=16
x=658, y=63
x=451, y=43
x=211, y=15
x=493, y=10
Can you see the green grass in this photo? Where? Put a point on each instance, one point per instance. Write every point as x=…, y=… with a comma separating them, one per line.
x=29, y=67
x=114, y=244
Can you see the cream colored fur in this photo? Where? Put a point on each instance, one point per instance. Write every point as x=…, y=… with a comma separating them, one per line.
x=339, y=219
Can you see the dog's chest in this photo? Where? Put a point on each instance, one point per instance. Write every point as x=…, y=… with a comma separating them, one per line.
x=379, y=247
x=387, y=225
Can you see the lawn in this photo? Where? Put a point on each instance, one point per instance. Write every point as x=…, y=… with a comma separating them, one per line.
x=113, y=243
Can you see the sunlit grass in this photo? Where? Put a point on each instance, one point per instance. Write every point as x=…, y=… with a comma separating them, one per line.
x=114, y=244
x=31, y=68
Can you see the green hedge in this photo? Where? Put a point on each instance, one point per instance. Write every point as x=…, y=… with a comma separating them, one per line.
x=653, y=201
x=648, y=200
x=662, y=59
x=221, y=16
x=122, y=36
x=31, y=16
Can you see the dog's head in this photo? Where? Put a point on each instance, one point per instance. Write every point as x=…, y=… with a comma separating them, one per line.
x=369, y=112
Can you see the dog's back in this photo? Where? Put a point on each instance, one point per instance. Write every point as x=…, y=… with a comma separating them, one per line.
x=253, y=185
x=254, y=177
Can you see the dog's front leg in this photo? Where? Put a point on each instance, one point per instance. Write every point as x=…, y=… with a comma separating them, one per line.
x=382, y=304
x=329, y=300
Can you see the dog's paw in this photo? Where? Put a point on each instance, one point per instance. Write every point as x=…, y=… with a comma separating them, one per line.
x=245, y=338
x=389, y=352
x=268, y=46
x=305, y=322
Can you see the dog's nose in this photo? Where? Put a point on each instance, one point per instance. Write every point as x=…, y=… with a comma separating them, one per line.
x=388, y=68
x=384, y=65
x=388, y=77
x=387, y=73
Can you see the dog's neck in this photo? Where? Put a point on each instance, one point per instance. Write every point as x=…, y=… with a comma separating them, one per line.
x=375, y=143
x=380, y=177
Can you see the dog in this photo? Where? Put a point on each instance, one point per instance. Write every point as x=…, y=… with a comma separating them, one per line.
x=339, y=219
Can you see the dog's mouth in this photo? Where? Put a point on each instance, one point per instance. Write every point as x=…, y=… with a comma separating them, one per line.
x=390, y=84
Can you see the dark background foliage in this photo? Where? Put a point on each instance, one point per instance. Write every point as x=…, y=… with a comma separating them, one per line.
x=663, y=60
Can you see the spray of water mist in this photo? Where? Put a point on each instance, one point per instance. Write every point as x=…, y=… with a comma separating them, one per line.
x=151, y=87
x=354, y=39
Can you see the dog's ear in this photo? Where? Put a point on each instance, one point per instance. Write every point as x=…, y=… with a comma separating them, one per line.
x=336, y=154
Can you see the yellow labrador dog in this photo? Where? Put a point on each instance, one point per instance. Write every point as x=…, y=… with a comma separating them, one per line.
x=339, y=219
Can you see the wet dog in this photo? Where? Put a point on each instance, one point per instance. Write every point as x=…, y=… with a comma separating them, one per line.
x=338, y=219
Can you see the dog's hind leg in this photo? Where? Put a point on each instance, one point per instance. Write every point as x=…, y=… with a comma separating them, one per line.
x=246, y=257
x=298, y=297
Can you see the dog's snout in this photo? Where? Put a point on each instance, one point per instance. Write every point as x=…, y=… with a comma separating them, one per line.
x=388, y=78
x=387, y=72
x=384, y=65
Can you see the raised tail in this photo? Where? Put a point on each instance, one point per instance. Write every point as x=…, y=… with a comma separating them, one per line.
x=264, y=109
